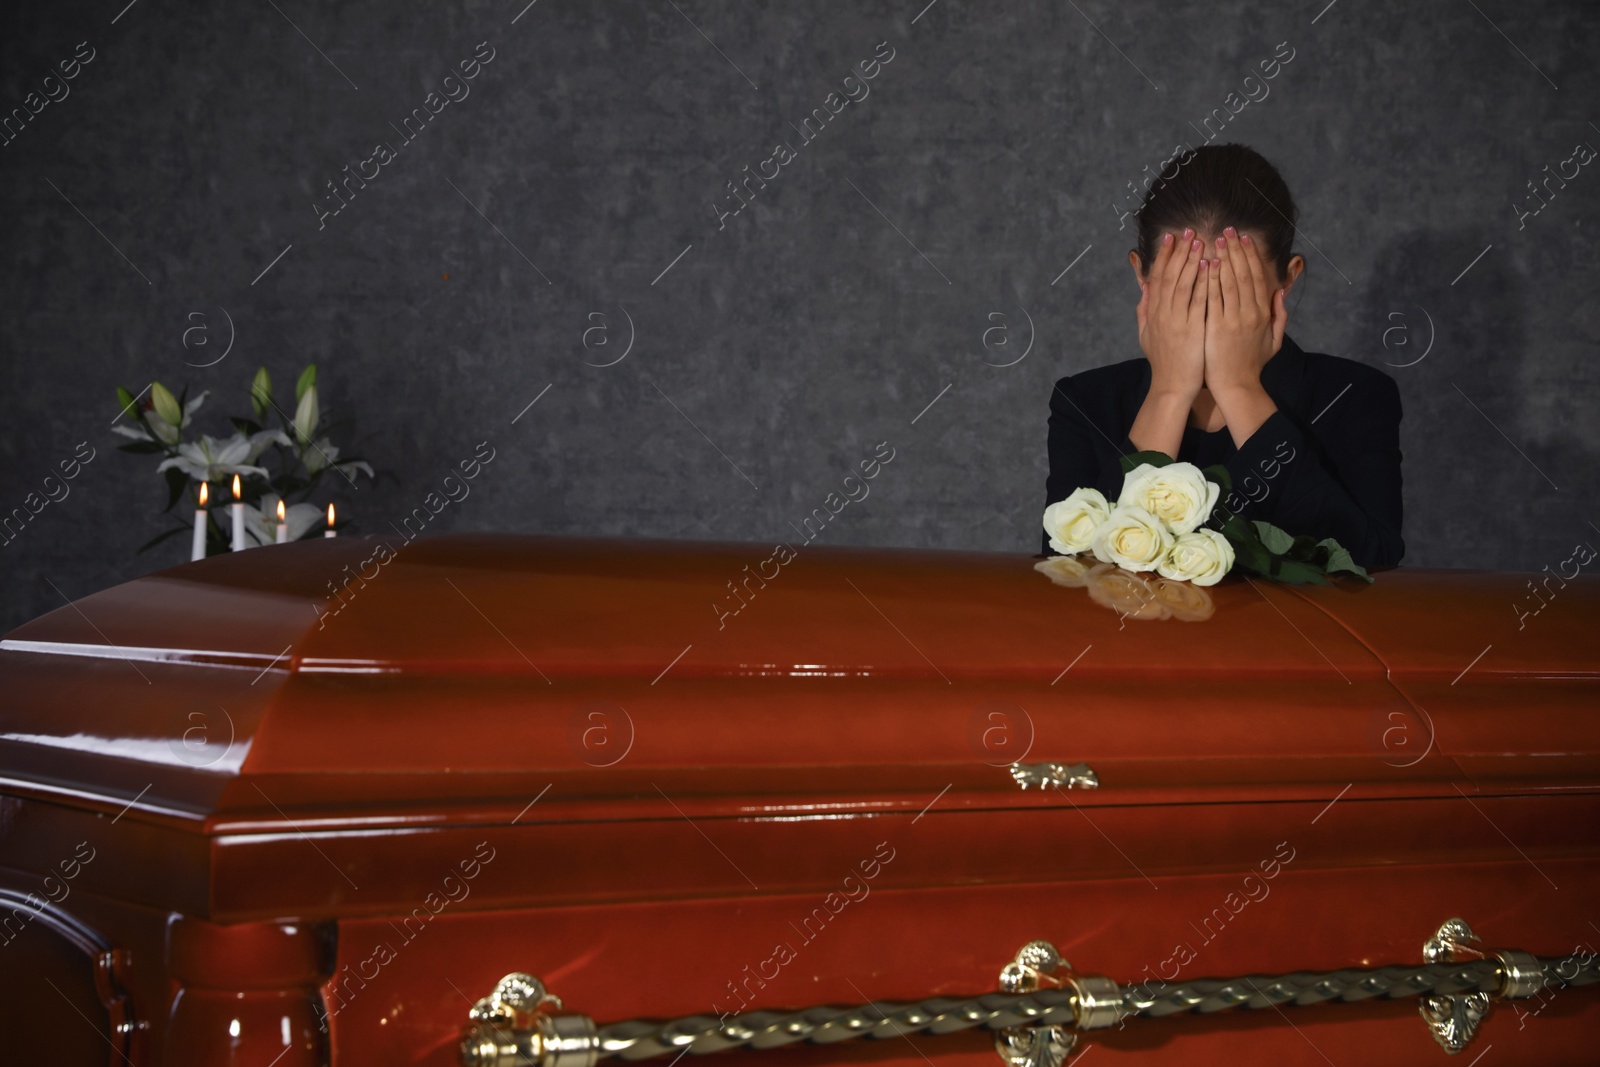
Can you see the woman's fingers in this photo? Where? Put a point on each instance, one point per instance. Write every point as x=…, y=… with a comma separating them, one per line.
x=1169, y=246
x=1260, y=281
x=1172, y=270
x=1211, y=299
x=1184, y=287
x=1229, y=265
x=1158, y=263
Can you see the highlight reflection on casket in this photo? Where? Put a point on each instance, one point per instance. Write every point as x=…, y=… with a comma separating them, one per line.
x=305, y=831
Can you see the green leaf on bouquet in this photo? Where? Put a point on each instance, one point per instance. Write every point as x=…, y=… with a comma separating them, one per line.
x=1339, y=559
x=244, y=426
x=1249, y=554
x=1238, y=531
x=1134, y=459
x=1293, y=572
x=1219, y=474
x=1253, y=559
x=1306, y=550
x=1277, y=541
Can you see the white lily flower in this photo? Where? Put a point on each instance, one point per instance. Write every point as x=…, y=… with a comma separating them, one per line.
x=135, y=431
x=318, y=454
x=260, y=441
x=324, y=453
x=352, y=466
x=165, y=432
x=191, y=406
x=262, y=524
x=210, y=460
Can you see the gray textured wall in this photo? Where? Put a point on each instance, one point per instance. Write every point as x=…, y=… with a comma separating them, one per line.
x=827, y=316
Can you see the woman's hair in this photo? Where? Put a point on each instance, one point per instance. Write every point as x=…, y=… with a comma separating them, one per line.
x=1220, y=185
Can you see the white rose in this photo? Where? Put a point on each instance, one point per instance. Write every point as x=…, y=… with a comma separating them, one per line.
x=1200, y=556
x=1177, y=494
x=1132, y=538
x=1071, y=522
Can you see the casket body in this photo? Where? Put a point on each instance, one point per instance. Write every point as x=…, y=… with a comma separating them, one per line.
x=305, y=804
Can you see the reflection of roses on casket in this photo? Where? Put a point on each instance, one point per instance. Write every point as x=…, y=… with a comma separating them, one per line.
x=1130, y=595
x=1158, y=524
x=1069, y=571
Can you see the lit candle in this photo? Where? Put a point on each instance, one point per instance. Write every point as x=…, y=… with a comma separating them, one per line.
x=330, y=531
x=282, y=537
x=238, y=517
x=198, y=549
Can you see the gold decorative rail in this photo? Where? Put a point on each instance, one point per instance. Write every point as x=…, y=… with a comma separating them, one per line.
x=1041, y=1008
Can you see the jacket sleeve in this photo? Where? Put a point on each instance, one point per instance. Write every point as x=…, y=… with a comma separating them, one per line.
x=1339, y=478
x=1075, y=445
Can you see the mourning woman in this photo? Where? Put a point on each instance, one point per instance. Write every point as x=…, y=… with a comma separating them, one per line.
x=1311, y=441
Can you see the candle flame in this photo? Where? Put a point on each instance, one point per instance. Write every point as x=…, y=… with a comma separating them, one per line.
x=205, y=493
x=236, y=487
x=330, y=516
x=280, y=511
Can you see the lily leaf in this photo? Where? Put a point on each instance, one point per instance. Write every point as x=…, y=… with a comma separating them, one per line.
x=1134, y=459
x=156, y=540
x=126, y=400
x=177, y=482
x=245, y=426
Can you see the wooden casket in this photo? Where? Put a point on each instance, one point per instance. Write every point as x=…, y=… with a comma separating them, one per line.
x=786, y=805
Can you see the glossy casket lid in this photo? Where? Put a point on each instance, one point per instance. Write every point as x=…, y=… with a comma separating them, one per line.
x=452, y=680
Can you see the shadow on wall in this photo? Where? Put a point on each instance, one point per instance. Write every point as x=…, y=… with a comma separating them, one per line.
x=1454, y=343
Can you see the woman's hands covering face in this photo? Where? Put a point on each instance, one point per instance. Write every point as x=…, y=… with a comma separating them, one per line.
x=1172, y=317
x=1209, y=322
x=1245, y=315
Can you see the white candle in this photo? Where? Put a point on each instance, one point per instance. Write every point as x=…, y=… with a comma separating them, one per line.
x=197, y=550
x=282, y=536
x=330, y=531
x=238, y=517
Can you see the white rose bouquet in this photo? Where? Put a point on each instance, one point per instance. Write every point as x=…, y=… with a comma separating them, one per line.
x=1156, y=525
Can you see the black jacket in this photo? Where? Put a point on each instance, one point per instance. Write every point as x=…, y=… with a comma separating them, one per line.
x=1326, y=463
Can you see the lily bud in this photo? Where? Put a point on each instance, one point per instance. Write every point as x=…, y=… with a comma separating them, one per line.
x=307, y=415
x=166, y=405
x=261, y=393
